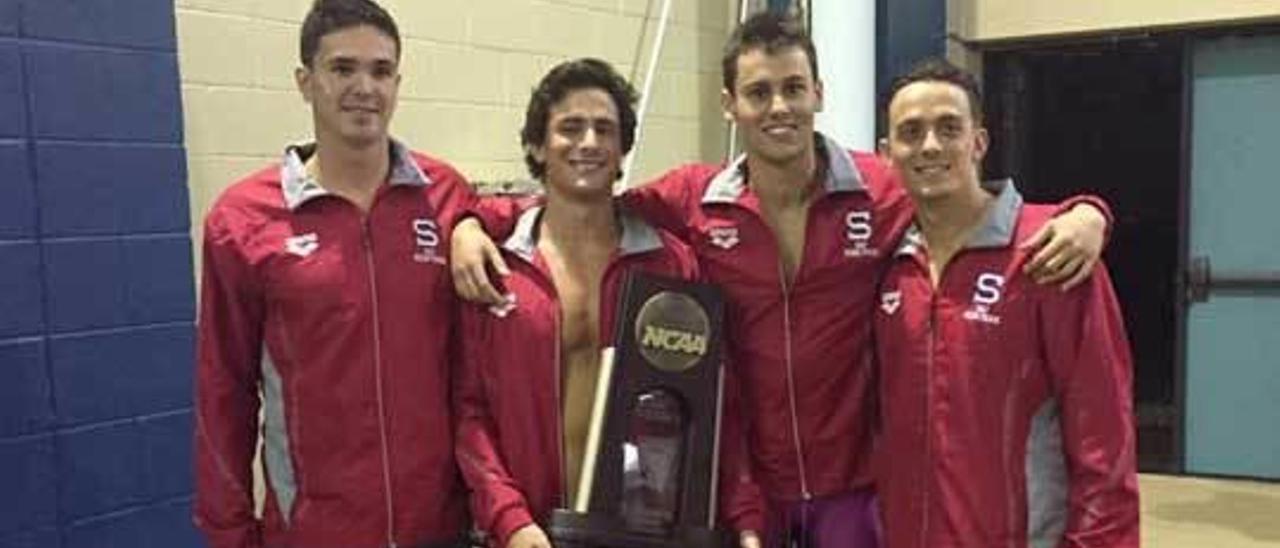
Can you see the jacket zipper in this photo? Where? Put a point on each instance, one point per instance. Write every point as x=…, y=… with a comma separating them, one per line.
x=930, y=348
x=791, y=381
x=377, y=368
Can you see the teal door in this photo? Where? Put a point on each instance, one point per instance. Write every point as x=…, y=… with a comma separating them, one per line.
x=1233, y=323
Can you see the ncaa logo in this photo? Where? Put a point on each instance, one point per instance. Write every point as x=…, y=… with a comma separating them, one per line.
x=427, y=241
x=986, y=293
x=857, y=234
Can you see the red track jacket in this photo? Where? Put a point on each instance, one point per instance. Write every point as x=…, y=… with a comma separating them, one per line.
x=342, y=323
x=1007, y=406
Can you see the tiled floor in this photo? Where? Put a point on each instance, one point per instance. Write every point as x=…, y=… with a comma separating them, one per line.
x=1181, y=512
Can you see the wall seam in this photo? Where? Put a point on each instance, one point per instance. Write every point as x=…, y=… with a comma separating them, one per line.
x=33, y=170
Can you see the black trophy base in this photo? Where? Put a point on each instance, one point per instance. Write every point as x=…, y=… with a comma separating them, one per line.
x=569, y=529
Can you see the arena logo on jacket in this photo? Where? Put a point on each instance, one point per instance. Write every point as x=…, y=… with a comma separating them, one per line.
x=723, y=237
x=302, y=245
x=890, y=301
x=986, y=293
x=427, y=240
x=857, y=235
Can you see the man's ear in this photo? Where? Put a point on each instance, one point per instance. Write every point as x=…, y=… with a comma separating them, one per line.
x=302, y=78
x=727, y=108
x=981, y=143
x=882, y=147
x=819, y=91
x=538, y=153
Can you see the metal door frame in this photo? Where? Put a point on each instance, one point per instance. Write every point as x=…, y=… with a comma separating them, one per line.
x=1196, y=279
x=1188, y=280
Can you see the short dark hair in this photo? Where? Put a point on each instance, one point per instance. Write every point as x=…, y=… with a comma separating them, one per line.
x=937, y=69
x=770, y=31
x=329, y=16
x=585, y=73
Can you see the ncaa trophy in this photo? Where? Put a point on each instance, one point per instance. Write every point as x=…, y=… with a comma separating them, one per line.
x=649, y=468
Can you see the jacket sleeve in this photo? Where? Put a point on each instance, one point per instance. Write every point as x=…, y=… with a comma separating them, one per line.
x=741, y=500
x=498, y=213
x=1088, y=356
x=229, y=350
x=665, y=201
x=497, y=505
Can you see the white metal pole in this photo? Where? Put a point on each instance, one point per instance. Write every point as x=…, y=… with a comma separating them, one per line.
x=595, y=429
x=744, y=8
x=844, y=33
x=646, y=93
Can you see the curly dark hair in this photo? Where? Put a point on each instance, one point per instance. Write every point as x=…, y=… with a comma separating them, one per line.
x=585, y=73
x=329, y=16
x=770, y=31
x=937, y=69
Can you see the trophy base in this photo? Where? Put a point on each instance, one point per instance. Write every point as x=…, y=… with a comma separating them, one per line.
x=568, y=529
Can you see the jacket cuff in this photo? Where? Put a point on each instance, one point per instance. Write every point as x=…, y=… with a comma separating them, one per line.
x=750, y=520
x=508, y=522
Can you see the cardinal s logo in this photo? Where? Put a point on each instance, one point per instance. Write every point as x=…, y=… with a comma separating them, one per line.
x=426, y=241
x=986, y=293
x=857, y=235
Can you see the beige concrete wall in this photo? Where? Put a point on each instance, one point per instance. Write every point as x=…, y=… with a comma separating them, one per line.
x=984, y=20
x=468, y=68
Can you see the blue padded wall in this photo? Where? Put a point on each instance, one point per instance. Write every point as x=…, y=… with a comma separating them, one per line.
x=96, y=289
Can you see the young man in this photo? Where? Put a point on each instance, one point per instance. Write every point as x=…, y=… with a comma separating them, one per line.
x=796, y=232
x=325, y=305
x=530, y=368
x=1007, y=405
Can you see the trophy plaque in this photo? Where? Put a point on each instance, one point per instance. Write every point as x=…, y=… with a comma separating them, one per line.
x=649, y=470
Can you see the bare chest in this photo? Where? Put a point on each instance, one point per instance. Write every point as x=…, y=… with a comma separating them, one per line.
x=577, y=281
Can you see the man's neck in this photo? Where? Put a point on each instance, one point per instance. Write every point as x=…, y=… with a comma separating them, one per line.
x=784, y=185
x=579, y=224
x=355, y=173
x=947, y=223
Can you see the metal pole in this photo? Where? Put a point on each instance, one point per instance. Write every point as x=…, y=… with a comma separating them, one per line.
x=744, y=7
x=646, y=93
x=844, y=33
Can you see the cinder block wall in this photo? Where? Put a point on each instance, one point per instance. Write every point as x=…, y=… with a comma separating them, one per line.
x=468, y=68
x=96, y=297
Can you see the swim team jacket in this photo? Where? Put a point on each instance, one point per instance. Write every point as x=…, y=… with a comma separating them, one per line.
x=342, y=322
x=1006, y=405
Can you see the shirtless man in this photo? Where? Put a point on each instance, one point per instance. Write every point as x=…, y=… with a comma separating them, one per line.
x=796, y=232
x=531, y=364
